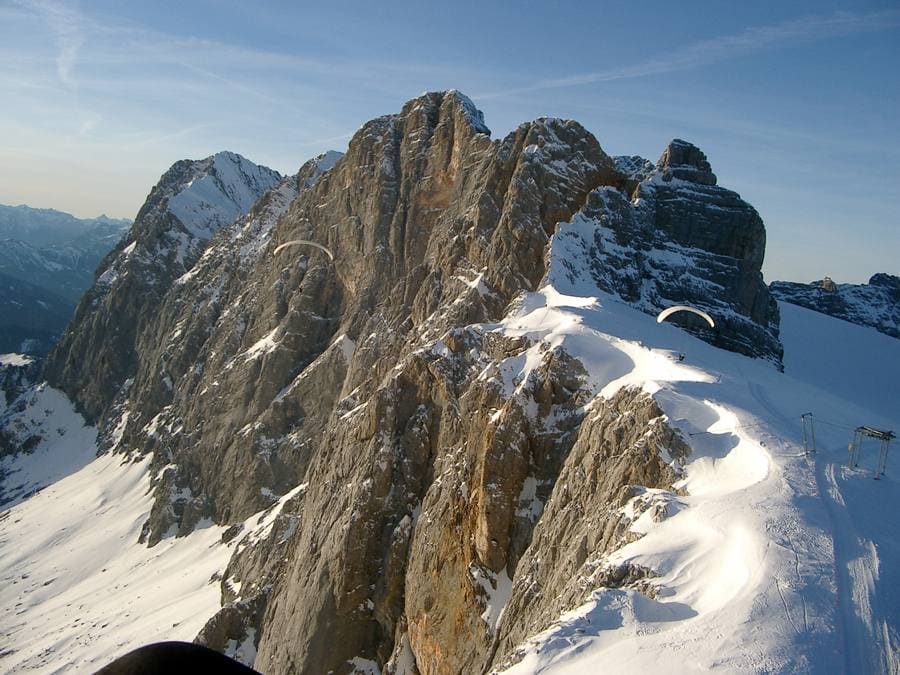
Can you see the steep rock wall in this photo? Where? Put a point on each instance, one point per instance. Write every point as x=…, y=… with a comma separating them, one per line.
x=402, y=446
x=192, y=200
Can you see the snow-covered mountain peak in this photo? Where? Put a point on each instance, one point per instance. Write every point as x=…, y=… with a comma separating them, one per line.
x=315, y=167
x=192, y=201
x=221, y=189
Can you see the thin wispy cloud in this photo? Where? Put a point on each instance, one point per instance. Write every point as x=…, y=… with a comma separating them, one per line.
x=90, y=42
x=89, y=122
x=66, y=24
x=123, y=42
x=726, y=47
x=329, y=139
x=112, y=53
x=234, y=84
x=156, y=139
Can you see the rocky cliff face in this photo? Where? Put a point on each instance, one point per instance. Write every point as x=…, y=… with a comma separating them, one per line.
x=192, y=200
x=18, y=372
x=681, y=239
x=415, y=463
x=875, y=304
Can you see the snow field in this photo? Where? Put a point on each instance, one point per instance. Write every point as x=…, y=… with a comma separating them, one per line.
x=77, y=589
x=767, y=567
x=66, y=445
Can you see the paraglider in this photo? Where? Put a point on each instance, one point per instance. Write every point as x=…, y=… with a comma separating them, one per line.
x=303, y=242
x=669, y=311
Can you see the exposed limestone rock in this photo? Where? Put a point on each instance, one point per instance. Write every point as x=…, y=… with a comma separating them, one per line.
x=876, y=304
x=430, y=453
x=681, y=242
x=230, y=631
x=476, y=519
x=238, y=386
x=685, y=161
x=404, y=449
x=192, y=200
x=623, y=465
x=17, y=373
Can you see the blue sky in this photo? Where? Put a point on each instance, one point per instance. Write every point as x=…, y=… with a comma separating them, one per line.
x=795, y=103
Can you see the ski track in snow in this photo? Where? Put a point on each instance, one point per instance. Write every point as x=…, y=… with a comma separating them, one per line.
x=866, y=631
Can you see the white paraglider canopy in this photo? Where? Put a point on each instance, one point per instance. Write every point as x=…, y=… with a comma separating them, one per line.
x=669, y=311
x=303, y=242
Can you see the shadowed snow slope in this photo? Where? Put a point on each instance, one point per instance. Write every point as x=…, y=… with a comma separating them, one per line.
x=59, y=443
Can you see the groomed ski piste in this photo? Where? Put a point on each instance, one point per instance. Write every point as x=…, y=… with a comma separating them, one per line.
x=775, y=561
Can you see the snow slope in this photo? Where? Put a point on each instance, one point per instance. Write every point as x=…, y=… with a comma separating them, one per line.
x=77, y=590
x=59, y=443
x=15, y=359
x=776, y=562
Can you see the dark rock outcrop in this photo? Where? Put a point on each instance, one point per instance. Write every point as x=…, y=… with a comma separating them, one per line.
x=685, y=161
x=17, y=374
x=875, y=304
x=681, y=240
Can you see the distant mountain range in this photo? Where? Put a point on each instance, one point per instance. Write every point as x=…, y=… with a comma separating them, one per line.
x=48, y=227
x=47, y=260
x=875, y=304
